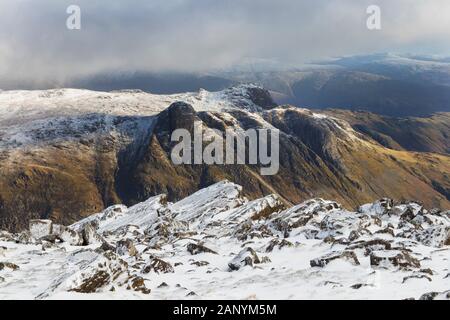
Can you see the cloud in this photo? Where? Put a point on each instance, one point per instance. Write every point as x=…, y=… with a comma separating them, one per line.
x=200, y=35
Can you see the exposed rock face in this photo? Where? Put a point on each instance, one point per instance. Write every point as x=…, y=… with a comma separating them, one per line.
x=79, y=156
x=317, y=246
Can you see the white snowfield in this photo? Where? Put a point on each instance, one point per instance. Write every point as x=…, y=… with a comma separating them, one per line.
x=216, y=244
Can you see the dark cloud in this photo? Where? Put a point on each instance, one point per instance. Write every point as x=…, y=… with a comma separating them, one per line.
x=200, y=35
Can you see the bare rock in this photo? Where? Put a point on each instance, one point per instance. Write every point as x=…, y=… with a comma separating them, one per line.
x=195, y=249
x=394, y=258
x=40, y=228
x=326, y=259
x=9, y=265
x=246, y=257
x=159, y=266
x=126, y=247
x=71, y=237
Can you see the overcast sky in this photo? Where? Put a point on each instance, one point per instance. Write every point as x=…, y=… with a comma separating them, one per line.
x=200, y=35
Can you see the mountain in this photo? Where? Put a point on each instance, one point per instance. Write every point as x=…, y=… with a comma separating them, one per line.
x=429, y=134
x=67, y=153
x=386, y=84
x=217, y=244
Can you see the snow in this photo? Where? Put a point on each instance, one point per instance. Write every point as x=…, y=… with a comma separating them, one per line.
x=220, y=219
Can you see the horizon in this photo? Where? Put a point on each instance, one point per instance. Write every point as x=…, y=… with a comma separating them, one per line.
x=50, y=44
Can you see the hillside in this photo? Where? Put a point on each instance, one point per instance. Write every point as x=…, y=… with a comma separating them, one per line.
x=67, y=153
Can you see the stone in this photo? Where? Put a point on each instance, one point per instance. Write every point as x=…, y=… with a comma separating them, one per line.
x=126, y=247
x=90, y=235
x=321, y=262
x=195, y=249
x=71, y=237
x=40, y=228
x=9, y=265
x=158, y=266
x=394, y=258
x=246, y=257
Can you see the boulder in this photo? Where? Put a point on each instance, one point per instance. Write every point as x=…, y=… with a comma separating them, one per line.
x=2, y=251
x=195, y=249
x=71, y=237
x=9, y=265
x=158, y=266
x=349, y=256
x=90, y=235
x=40, y=228
x=394, y=258
x=126, y=247
x=246, y=257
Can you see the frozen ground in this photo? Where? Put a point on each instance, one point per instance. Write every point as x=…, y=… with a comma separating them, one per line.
x=216, y=244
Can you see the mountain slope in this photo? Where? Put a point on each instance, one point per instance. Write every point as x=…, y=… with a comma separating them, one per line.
x=68, y=153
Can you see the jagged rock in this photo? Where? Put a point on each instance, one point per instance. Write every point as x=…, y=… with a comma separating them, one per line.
x=379, y=207
x=326, y=259
x=277, y=243
x=246, y=257
x=138, y=284
x=40, y=228
x=436, y=236
x=2, y=251
x=24, y=238
x=9, y=265
x=163, y=285
x=158, y=266
x=195, y=249
x=394, y=258
x=371, y=245
x=6, y=236
x=71, y=237
x=90, y=235
x=2, y=279
x=126, y=247
x=105, y=270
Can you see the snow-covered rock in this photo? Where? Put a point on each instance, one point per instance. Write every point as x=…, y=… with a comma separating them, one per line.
x=160, y=250
x=40, y=228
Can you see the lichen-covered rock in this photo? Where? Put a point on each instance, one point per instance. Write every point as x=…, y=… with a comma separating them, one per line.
x=349, y=256
x=40, y=228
